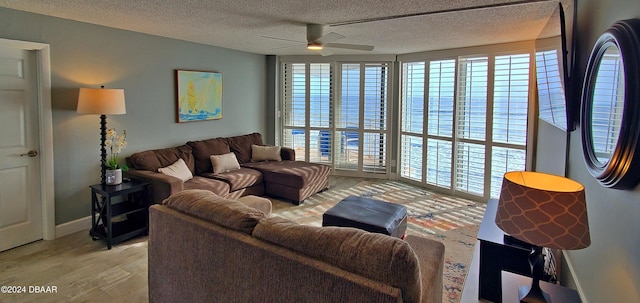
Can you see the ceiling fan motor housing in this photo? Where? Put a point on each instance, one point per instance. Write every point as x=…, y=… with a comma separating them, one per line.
x=314, y=32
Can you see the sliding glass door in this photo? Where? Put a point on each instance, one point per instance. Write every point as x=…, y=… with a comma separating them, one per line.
x=346, y=127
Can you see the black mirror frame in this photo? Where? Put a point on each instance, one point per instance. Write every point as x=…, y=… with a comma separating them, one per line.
x=622, y=171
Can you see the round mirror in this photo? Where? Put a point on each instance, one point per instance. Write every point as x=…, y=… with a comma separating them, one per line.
x=610, y=117
x=607, y=104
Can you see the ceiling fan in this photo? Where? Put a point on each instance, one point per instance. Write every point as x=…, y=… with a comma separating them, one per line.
x=317, y=40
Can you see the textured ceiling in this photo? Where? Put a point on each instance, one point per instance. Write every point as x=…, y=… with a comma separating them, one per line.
x=246, y=24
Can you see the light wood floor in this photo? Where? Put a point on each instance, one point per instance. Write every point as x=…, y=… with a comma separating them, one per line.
x=83, y=270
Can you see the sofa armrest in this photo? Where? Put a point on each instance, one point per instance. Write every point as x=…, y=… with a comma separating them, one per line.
x=162, y=186
x=430, y=254
x=287, y=153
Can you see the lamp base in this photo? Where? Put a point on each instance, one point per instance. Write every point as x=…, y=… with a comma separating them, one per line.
x=510, y=240
x=523, y=291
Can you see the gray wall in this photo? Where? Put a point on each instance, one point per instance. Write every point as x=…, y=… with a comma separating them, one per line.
x=85, y=55
x=608, y=270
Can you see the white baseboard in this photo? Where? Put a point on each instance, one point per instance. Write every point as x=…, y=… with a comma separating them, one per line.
x=73, y=227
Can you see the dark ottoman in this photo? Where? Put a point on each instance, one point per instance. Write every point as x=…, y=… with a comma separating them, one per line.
x=368, y=214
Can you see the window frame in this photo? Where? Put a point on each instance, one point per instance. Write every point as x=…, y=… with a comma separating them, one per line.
x=336, y=85
x=491, y=51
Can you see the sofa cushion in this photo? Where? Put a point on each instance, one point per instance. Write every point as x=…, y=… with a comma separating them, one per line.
x=205, y=148
x=158, y=158
x=238, y=179
x=213, y=208
x=265, y=153
x=217, y=187
x=224, y=163
x=241, y=145
x=375, y=256
x=297, y=174
x=178, y=169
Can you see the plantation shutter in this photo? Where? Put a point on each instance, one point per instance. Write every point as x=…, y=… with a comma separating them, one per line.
x=412, y=121
x=440, y=122
x=320, y=104
x=294, y=92
x=608, y=102
x=511, y=99
x=375, y=118
x=471, y=124
x=551, y=98
x=510, y=113
x=320, y=112
x=347, y=137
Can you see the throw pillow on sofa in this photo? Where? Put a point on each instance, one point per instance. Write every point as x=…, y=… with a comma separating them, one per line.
x=178, y=169
x=265, y=153
x=224, y=163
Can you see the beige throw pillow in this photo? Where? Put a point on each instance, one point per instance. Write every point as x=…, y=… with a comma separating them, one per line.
x=223, y=163
x=265, y=153
x=178, y=169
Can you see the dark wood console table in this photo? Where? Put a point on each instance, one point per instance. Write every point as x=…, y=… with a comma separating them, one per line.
x=130, y=201
x=496, y=256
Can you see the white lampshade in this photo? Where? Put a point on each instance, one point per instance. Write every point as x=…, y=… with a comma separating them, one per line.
x=101, y=101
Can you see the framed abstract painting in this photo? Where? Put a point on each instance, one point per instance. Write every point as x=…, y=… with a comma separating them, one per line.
x=199, y=95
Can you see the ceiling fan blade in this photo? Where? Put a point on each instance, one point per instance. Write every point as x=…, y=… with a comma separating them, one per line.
x=282, y=47
x=325, y=52
x=282, y=39
x=328, y=38
x=350, y=46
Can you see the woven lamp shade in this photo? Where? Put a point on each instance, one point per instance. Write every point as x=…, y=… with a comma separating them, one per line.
x=544, y=210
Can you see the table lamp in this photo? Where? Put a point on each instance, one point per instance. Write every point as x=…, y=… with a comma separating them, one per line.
x=543, y=210
x=103, y=102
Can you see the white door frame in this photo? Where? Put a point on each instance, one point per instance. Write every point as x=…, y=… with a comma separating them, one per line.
x=45, y=125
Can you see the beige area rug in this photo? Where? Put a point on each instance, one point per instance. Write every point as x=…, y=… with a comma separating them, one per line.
x=453, y=221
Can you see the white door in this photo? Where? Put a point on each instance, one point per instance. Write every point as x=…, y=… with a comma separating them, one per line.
x=20, y=197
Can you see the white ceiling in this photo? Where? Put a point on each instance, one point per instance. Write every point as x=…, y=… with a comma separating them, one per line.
x=244, y=24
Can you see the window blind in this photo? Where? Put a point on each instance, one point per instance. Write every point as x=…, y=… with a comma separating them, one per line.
x=294, y=94
x=504, y=160
x=440, y=117
x=470, y=172
x=464, y=149
x=551, y=100
x=411, y=157
x=472, y=98
x=413, y=97
x=608, y=105
x=511, y=99
x=374, y=156
x=441, y=97
x=375, y=96
x=471, y=115
x=320, y=95
x=349, y=116
x=439, y=156
x=510, y=114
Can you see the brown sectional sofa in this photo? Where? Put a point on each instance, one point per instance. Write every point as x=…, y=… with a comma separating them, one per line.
x=205, y=248
x=288, y=179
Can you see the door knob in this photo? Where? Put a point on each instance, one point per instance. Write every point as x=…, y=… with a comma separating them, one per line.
x=32, y=153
